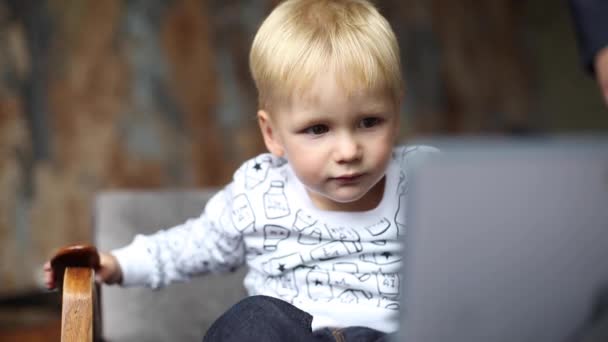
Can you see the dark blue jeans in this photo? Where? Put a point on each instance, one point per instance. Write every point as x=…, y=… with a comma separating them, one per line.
x=268, y=319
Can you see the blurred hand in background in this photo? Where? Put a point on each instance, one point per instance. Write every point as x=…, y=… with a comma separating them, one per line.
x=601, y=72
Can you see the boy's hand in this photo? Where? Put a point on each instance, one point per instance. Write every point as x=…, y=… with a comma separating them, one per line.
x=109, y=271
x=601, y=72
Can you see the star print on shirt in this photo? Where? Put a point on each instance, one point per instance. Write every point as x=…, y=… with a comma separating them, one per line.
x=281, y=267
x=257, y=167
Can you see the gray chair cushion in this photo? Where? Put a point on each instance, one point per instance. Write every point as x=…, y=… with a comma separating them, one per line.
x=180, y=312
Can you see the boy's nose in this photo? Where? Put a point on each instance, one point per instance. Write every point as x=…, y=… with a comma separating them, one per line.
x=347, y=149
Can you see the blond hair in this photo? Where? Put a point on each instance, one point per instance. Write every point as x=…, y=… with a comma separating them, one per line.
x=302, y=39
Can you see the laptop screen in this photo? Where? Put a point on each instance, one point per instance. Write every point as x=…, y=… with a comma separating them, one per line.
x=507, y=241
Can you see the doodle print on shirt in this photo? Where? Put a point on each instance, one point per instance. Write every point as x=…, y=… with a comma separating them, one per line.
x=379, y=228
x=343, y=233
x=335, y=249
x=388, y=303
x=288, y=288
x=252, y=252
x=388, y=284
x=274, y=234
x=256, y=171
x=365, y=277
x=242, y=214
x=275, y=201
x=309, y=233
x=384, y=258
x=343, y=275
x=284, y=285
x=303, y=220
x=318, y=285
x=310, y=236
x=346, y=241
x=279, y=265
x=351, y=296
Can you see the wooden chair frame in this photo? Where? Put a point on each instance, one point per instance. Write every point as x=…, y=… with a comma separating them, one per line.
x=74, y=270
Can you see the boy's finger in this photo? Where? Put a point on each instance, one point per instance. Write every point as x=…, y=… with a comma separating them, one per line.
x=49, y=281
x=601, y=72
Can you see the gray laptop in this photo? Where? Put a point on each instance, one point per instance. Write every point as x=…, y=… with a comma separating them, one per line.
x=508, y=241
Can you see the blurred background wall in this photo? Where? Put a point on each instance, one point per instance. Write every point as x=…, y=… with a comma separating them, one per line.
x=148, y=94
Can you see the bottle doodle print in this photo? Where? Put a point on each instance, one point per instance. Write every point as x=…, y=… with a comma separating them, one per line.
x=273, y=235
x=310, y=236
x=286, y=287
x=388, y=284
x=335, y=249
x=302, y=221
x=256, y=172
x=242, y=214
x=275, y=201
x=379, y=228
x=309, y=233
x=351, y=296
x=318, y=285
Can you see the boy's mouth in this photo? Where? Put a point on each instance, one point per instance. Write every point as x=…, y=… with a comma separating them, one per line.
x=348, y=178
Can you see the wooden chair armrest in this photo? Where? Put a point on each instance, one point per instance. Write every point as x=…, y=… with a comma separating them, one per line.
x=74, y=271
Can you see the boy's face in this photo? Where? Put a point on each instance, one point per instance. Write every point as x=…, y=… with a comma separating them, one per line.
x=338, y=145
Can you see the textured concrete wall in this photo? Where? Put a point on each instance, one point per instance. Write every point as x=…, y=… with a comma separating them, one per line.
x=113, y=94
x=156, y=93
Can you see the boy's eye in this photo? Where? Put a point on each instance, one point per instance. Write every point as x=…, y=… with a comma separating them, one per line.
x=369, y=122
x=316, y=129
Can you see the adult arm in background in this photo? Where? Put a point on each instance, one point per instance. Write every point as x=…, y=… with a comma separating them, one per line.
x=591, y=24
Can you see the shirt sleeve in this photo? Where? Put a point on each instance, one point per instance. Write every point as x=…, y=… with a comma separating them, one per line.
x=198, y=246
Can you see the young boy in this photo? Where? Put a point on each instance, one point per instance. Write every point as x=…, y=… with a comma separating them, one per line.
x=317, y=221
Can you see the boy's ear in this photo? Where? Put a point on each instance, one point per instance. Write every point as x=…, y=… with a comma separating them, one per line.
x=271, y=138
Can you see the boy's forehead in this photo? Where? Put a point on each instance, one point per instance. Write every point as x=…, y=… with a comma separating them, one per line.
x=331, y=83
x=332, y=86
x=317, y=103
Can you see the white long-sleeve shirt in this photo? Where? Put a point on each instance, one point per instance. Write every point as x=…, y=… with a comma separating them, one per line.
x=341, y=267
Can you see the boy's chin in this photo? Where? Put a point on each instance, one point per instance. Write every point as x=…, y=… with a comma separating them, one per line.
x=355, y=201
